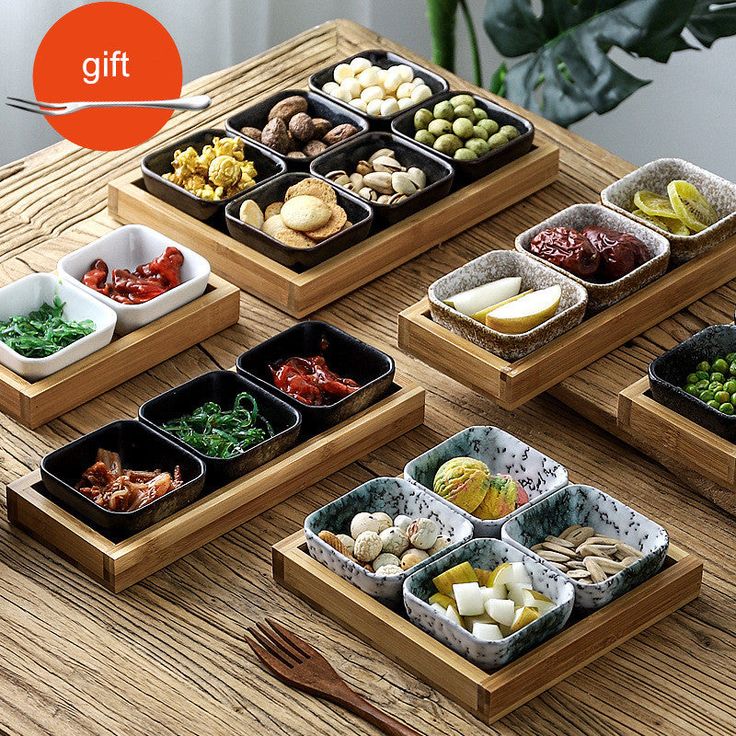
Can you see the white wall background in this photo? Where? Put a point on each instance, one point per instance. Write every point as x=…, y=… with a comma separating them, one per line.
x=689, y=110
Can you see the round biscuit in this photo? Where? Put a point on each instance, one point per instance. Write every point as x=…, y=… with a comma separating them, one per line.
x=273, y=209
x=337, y=220
x=293, y=238
x=314, y=187
x=305, y=212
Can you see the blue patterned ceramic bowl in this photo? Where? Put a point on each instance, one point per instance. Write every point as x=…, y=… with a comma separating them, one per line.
x=487, y=554
x=588, y=506
x=393, y=496
x=538, y=474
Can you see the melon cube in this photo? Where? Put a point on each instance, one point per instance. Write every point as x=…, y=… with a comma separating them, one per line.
x=501, y=611
x=468, y=598
x=486, y=632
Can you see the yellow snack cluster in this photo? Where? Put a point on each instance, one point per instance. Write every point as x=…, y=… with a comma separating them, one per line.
x=219, y=172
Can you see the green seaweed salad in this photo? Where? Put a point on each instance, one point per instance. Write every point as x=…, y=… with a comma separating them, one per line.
x=223, y=434
x=44, y=331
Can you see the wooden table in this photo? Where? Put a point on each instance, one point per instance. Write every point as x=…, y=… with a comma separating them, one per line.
x=167, y=656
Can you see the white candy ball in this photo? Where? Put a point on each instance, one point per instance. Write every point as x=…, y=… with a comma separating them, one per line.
x=374, y=107
x=359, y=64
x=423, y=533
x=394, y=540
x=439, y=545
x=404, y=103
x=368, y=77
x=420, y=93
x=343, y=71
x=352, y=86
x=330, y=88
x=342, y=94
x=364, y=522
x=417, y=81
x=389, y=106
x=402, y=522
x=406, y=72
x=412, y=557
x=392, y=80
x=390, y=570
x=367, y=547
x=385, y=558
x=359, y=104
x=384, y=520
x=404, y=90
x=373, y=92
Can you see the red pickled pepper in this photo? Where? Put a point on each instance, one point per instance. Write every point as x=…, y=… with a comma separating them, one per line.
x=311, y=381
x=148, y=281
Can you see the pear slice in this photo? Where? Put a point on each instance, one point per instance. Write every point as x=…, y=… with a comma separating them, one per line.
x=494, y=292
x=462, y=573
x=481, y=316
x=526, y=312
x=523, y=617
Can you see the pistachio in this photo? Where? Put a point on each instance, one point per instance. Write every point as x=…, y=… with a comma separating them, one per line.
x=356, y=180
x=342, y=179
x=368, y=193
x=381, y=152
x=417, y=176
x=383, y=199
x=333, y=175
x=381, y=181
x=386, y=163
x=396, y=198
x=364, y=168
x=402, y=183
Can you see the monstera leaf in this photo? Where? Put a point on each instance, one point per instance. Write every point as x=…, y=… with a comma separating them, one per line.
x=567, y=72
x=713, y=19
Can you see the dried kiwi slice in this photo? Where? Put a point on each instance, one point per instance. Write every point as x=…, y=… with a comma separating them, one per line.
x=655, y=205
x=690, y=205
x=669, y=225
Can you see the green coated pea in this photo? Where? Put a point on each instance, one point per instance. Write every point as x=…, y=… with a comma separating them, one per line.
x=422, y=118
x=692, y=378
x=458, y=100
x=701, y=385
x=732, y=368
x=480, y=113
x=424, y=136
x=730, y=358
x=704, y=365
x=702, y=375
x=465, y=154
x=465, y=111
x=717, y=376
x=733, y=398
x=714, y=404
x=723, y=397
x=730, y=386
x=726, y=408
x=720, y=365
x=715, y=387
x=691, y=389
x=707, y=396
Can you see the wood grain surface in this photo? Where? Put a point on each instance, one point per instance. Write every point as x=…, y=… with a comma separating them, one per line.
x=167, y=656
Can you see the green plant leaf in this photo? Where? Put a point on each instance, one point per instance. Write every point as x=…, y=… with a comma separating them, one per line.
x=713, y=19
x=498, y=80
x=441, y=15
x=570, y=75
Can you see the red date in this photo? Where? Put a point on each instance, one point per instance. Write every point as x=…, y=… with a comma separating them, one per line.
x=568, y=249
x=620, y=252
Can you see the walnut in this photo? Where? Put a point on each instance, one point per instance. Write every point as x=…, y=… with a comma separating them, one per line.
x=275, y=135
x=313, y=148
x=250, y=132
x=301, y=127
x=321, y=127
x=288, y=107
x=339, y=133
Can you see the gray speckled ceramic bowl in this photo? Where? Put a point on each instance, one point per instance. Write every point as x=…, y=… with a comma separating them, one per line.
x=655, y=176
x=487, y=554
x=587, y=506
x=393, y=496
x=602, y=295
x=499, y=264
x=538, y=474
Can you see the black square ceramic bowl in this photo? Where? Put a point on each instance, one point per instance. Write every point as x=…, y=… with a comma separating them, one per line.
x=359, y=214
x=383, y=59
x=318, y=106
x=345, y=355
x=222, y=387
x=668, y=372
x=403, y=125
x=158, y=163
x=140, y=448
x=346, y=155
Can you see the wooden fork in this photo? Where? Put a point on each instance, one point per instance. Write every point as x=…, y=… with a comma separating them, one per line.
x=300, y=665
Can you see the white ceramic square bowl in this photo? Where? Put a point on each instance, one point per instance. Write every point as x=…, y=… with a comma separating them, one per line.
x=536, y=473
x=128, y=247
x=587, y=506
x=488, y=554
x=30, y=293
x=393, y=496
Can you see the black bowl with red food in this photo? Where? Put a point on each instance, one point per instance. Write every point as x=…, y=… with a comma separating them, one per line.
x=609, y=254
x=266, y=426
x=123, y=477
x=324, y=373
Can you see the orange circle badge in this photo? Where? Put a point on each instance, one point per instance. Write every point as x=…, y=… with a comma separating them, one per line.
x=107, y=51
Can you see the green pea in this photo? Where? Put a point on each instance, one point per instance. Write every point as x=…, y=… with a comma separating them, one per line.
x=714, y=404
x=704, y=365
x=692, y=389
x=723, y=397
x=717, y=376
x=701, y=385
x=706, y=396
x=733, y=399
x=702, y=375
x=692, y=378
x=730, y=386
x=730, y=358
x=732, y=368
x=720, y=365
x=726, y=408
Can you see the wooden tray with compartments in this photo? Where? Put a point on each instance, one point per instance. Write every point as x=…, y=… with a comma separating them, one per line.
x=673, y=438
x=300, y=294
x=487, y=695
x=511, y=384
x=35, y=403
x=119, y=563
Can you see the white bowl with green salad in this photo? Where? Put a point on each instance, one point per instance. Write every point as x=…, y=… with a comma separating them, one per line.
x=46, y=325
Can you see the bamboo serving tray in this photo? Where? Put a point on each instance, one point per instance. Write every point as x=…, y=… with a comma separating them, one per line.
x=511, y=384
x=35, y=403
x=673, y=438
x=300, y=294
x=118, y=564
x=487, y=695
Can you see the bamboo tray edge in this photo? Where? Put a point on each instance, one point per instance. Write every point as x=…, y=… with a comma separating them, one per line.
x=487, y=695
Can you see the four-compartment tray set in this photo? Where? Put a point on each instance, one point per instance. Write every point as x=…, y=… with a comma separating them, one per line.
x=483, y=570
